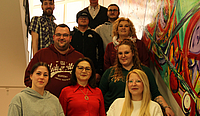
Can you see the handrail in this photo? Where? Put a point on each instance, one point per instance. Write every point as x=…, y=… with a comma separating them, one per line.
x=12, y=86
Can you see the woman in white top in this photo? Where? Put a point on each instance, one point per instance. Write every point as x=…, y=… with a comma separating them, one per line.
x=137, y=101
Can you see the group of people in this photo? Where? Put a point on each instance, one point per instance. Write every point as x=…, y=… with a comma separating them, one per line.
x=71, y=74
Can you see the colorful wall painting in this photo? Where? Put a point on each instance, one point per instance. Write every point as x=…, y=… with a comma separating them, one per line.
x=171, y=31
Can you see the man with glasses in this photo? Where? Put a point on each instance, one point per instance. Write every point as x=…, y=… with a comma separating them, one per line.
x=60, y=57
x=97, y=14
x=105, y=30
x=88, y=42
x=42, y=28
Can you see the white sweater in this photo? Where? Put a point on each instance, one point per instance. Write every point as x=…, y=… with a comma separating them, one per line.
x=116, y=108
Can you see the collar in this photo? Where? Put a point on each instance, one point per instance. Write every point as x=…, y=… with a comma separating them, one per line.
x=108, y=23
x=45, y=16
x=77, y=86
x=91, y=7
x=123, y=69
x=76, y=27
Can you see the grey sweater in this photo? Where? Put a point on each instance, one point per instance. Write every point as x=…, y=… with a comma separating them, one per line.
x=30, y=103
x=105, y=31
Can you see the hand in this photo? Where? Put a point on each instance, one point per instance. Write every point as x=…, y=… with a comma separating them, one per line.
x=98, y=77
x=169, y=112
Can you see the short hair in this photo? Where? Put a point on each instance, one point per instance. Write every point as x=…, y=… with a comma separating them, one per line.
x=44, y=0
x=62, y=25
x=35, y=66
x=114, y=5
x=92, y=79
x=116, y=24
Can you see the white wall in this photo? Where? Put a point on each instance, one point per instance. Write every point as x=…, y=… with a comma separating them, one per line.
x=13, y=54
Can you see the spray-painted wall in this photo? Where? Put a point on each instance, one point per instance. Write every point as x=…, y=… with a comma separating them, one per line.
x=172, y=33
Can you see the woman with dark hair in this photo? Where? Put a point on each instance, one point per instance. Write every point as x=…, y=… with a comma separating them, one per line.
x=82, y=97
x=112, y=83
x=35, y=100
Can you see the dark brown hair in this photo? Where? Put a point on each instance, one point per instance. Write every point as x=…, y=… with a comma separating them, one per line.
x=44, y=0
x=35, y=66
x=92, y=80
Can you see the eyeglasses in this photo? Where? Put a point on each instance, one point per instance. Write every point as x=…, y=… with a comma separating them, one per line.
x=64, y=35
x=114, y=10
x=136, y=81
x=81, y=68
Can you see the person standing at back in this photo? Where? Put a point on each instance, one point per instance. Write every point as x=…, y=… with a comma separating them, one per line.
x=105, y=30
x=97, y=14
x=88, y=42
x=42, y=27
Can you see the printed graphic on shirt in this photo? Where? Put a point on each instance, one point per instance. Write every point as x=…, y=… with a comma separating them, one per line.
x=61, y=70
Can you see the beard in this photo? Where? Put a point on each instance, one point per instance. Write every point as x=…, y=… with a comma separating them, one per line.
x=47, y=12
x=113, y=19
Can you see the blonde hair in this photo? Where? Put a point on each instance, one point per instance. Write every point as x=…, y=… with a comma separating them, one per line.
x=116, y=24
x=146, y=97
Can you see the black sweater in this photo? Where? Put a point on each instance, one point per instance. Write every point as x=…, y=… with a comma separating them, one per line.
x=100, y=18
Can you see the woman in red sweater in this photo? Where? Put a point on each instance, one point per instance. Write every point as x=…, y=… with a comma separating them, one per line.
x=123, y=28
x=82, y=97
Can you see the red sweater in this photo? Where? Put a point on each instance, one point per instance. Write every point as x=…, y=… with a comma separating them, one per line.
x=74, y=104
x=111, y=52
x=61, y=66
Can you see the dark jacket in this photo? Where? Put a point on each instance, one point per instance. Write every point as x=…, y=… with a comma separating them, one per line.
x=90, y=45
x=99, y=19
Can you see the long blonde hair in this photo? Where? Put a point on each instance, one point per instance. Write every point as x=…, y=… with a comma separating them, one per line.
x=146, y=97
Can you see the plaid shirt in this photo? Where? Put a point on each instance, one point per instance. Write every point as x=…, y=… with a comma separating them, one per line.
x=45, y=29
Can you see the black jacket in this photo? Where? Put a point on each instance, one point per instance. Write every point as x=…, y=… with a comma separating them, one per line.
x=90, y=45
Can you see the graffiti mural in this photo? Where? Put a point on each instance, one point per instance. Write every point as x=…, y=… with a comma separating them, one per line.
x=171, y=30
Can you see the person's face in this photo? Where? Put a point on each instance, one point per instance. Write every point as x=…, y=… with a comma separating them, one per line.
x=83, y=71
x=125, y=55
x=93, y=2
x=62, y=38
x=83, y=21
x=135, y=85
x=39, y=78
x=48, y=7
x=123, y=28
x=113, y=12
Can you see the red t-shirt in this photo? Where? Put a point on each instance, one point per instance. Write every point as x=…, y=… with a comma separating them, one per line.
x=73, y=101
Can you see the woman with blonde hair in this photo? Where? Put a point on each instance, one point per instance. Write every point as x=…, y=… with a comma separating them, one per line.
x=113, y=81
x=137, y=101
x=123, y=28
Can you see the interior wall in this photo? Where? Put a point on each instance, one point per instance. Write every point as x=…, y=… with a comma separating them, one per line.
x=13, y=59
x=14, y=54
x=13, y=49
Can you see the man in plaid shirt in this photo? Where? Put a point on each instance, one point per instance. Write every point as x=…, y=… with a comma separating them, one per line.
x=42, y=27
